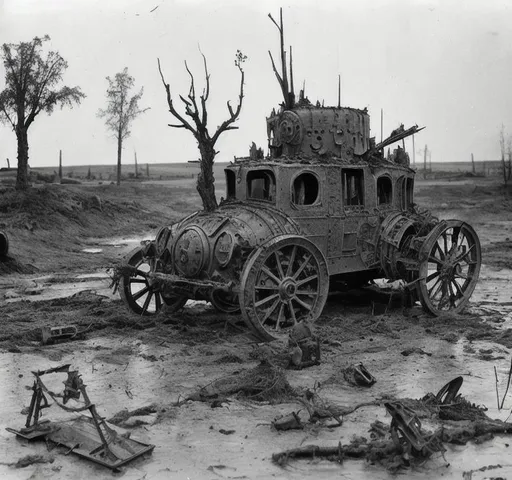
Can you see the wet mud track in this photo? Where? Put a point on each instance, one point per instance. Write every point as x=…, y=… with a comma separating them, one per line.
x=133, y=363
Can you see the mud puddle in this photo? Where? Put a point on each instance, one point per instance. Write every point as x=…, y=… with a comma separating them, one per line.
x=50, y=287
x=120, y=244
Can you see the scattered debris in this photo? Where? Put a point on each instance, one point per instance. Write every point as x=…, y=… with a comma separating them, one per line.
x=265, y=382
x=404, y=442
x=469, y=474
x=304, y=346
x=357, y=374
x=133, y=418
x=320, y=409
x=28, y=460
x=226, y=432
x=410, y=351
x=407, y=434
x=88, y=437
x=54, y=334
x=288, y=422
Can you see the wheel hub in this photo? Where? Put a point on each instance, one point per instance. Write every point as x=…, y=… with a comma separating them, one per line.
x=287, y=289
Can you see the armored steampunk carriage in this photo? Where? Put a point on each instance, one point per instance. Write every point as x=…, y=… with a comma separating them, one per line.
x=326, y=204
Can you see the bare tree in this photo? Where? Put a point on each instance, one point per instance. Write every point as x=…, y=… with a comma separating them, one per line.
x=196, y=109
x=121, y=110
x=509, y=155
x=507, y=170
x=30, y=81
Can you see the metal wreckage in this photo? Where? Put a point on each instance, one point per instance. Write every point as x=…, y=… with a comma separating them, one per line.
x=326, y=205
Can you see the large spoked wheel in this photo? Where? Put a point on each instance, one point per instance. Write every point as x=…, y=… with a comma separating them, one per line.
x=284, y=282
x=142, y=295
x=449, y=268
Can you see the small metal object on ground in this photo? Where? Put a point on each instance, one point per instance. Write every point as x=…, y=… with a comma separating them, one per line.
x=357, y=374
x=55, y=334
x=50, y=334
x=90, y=437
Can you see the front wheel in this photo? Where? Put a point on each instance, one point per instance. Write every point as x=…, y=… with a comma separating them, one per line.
x=142, y=295
x=284, y=282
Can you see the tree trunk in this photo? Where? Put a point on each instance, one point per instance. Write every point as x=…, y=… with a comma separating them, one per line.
x=504, y=167
x=22, y=176
x=119, y=150
x=205, y=179
x=60, y=166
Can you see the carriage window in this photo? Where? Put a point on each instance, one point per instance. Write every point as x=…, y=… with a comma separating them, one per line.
x=230, y=184
x=305, y=189
x=409, y=191
x=384, y=190
x=353, y=187
x=261, y=185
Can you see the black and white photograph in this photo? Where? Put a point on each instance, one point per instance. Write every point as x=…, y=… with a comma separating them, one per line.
x=255, y=240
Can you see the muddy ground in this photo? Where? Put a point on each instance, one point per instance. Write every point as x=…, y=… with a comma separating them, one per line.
x=64, y=240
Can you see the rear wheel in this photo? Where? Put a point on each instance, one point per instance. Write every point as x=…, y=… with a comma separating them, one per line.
x=284, y=282
x=449, y=267
x=142, y=295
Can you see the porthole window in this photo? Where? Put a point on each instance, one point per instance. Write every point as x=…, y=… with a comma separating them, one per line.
x=305, y=189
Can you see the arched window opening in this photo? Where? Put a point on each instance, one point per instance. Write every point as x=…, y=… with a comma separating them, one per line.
x=261, y=185
x=305, y=189
x=230, y=184
x=384, y=190
x=353, y=187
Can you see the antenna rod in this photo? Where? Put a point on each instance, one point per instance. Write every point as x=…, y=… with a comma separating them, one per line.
x=413, y=152
x=339, y=91
x=292, y=92
x=381, y=124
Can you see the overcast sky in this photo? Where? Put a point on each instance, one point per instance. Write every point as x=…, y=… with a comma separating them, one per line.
x=444, y=64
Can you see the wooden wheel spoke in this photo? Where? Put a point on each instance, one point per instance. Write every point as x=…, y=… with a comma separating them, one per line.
x=445, y=241
x=266, y=300
x=270, y=311
x=438, y=248
x=435, y=260
x=141, y=293
x=138, y=280
x=463, y=256
x=292, y=311
x=292, y=259
x=439, y=285
x=146, y=303
x=307, y=258
x=461, y=275
x=444, y=295
x=432, y=276
x=267, y=288
x=270, y=275
x=303, y=304
x=280, y=316
x=455, y=236
x=279, y=266
x=452, y=295
x=457, y=288
x=306, y=292
x=307, y=280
